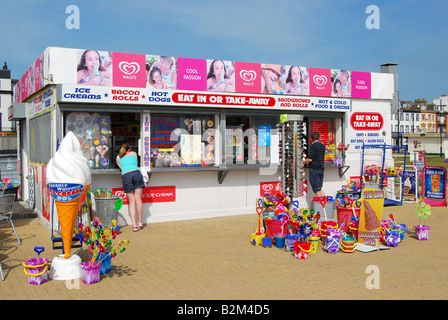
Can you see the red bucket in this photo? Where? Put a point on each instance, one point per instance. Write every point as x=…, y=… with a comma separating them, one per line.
x=324, y=226
x=275, y=226
x=344, y=215
x=302, y=249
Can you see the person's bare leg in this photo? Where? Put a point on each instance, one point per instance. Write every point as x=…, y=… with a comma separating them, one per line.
x=139, y=206
x=131, y=207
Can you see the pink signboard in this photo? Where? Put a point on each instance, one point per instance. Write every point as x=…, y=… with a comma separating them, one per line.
x=247, y=77
x=361, y=85
x=320, y=82
x=129, y=70
x=192, y=74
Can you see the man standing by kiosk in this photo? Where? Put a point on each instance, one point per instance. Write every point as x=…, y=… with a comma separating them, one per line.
x=315, y=161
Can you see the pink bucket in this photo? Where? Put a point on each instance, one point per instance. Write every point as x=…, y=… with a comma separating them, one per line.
x=37, y=270
x=90, y=273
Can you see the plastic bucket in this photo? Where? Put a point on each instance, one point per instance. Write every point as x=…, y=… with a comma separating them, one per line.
x=392, y=238
x=290, y=239
x=106, y=262
x=267, y=242
x=333, y=241
x=37, y=270
x=348, y=244
x=90, y=274
x=314, y=240
x=255, y=238
x=338, y=162
x=324, y=226
x=302, y=249
x=275, y=226
x=344, y=216
x=422, y=232
x=403, y=229
x=279, y=241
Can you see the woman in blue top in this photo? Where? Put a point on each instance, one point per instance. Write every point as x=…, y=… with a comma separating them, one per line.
x=132, y=184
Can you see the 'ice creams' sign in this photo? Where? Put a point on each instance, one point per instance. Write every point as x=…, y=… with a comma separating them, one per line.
x=65, y=192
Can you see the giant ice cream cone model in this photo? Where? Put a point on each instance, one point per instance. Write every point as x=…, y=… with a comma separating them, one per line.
x=68, y=178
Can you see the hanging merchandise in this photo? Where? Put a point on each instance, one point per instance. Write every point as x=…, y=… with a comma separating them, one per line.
x=292, y=131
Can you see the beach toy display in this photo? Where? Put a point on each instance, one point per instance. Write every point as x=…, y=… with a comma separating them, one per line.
x=286, y=225
x=423, y=212
x=37, y=268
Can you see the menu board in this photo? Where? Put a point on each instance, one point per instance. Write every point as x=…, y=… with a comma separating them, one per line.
x=323, y=128
x=94, y=135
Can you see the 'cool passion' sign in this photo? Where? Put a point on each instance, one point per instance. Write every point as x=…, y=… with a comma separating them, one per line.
x=111, y=95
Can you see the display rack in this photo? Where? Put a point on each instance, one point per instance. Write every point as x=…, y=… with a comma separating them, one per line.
x=292, y=140
x=385, y=181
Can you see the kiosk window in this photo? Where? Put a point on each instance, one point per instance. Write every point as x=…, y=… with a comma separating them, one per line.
x=93, y=131
x=251, y=140
x=183, y=140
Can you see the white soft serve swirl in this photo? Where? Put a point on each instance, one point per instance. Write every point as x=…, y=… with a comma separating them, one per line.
x=68, y=165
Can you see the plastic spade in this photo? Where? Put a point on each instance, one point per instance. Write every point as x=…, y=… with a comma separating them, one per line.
x=392, y=218
x=39, y=250
x=350, y=201
x=259, y=211
x=323, y=202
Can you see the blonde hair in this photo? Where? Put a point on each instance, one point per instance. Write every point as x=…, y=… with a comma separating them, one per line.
x=124, y=148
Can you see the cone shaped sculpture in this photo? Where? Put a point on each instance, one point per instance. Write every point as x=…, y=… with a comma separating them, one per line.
x=68, y=179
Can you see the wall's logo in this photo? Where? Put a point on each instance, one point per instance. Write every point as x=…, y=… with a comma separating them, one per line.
x=320, y=80
x=248, y=75
x=129, y=68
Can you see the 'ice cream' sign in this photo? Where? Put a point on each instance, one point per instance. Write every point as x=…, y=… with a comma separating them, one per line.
x=65, y=191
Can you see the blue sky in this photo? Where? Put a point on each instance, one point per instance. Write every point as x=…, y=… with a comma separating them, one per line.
x=319, y=33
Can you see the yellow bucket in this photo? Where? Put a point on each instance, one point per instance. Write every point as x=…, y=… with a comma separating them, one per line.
x=348, y=244
x=255, y=238
x=314, y=244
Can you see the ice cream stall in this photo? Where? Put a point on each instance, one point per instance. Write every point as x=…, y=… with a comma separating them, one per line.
x=206, y=131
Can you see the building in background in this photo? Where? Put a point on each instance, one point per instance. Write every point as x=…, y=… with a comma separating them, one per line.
x=5, y=99
x=422, y=124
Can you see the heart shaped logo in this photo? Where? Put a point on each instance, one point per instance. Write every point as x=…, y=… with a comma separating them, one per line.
x=129, y=67
x=248, y=75
x=267, y=187
x=320, y=80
